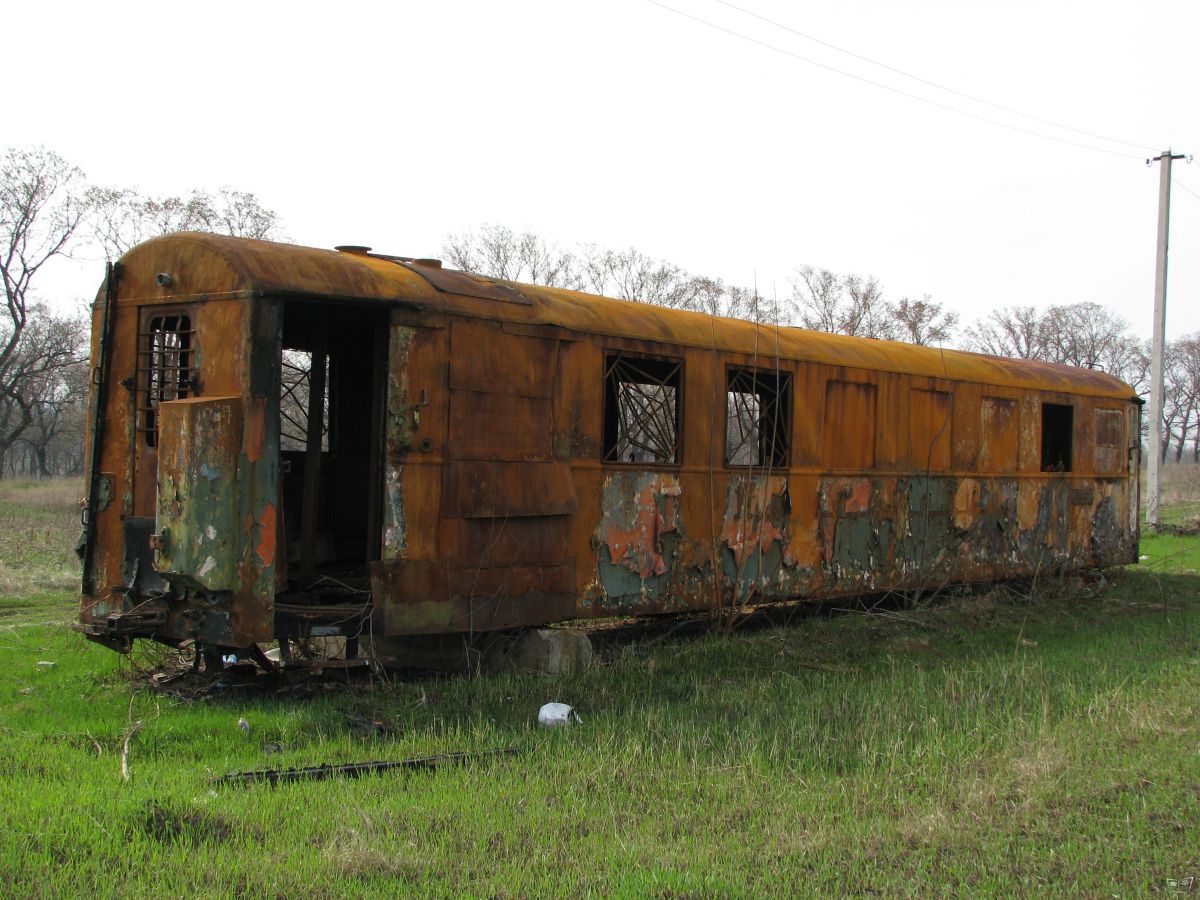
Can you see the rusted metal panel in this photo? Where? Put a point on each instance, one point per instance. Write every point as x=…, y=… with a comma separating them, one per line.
x=210, y=265
x=931, y=429
x=848, y=432
x=499, y=426
x=419, y=597
x=1110, y=453
x=486, y=359
x=526, y=541
x=496, y=490
x=999, y=434
x=197, y=537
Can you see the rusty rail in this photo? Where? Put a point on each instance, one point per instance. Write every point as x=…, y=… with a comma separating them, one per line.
x=354, y=770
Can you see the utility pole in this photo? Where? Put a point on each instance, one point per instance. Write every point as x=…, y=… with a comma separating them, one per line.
x=1158, y=345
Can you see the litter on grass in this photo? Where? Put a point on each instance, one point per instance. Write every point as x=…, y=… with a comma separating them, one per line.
x=552, y=715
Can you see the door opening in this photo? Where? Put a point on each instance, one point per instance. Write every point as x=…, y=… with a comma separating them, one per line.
x=332, y=383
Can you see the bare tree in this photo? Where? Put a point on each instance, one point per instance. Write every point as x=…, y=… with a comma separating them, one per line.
x=55, y=391
x=1181, y=411
x=122, y=217
x=499, y=252
x=850, y=304
x=922, y=321
x=817, y=299
x=867, y=314
x=1012, y=331
x=632, y=275
x=1086, y=335
x=41, y=207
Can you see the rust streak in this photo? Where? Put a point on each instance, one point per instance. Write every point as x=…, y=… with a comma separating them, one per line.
x=266, y=543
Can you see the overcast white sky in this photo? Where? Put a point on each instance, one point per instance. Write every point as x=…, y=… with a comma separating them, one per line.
x=625, y=124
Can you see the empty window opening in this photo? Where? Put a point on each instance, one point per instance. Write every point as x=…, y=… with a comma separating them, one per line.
x=757, y=418
x=1057, y=422
x=167, y=363
x=641, y=410
x=295, y=376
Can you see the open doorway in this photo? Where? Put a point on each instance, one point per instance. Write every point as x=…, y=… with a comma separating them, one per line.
x=332, y=388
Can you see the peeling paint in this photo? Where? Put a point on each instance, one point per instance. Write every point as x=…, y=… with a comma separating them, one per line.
x=395, y=529
x=638, y=536
x=754, y=531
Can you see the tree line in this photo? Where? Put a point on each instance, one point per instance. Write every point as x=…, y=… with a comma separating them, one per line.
x=48, y=209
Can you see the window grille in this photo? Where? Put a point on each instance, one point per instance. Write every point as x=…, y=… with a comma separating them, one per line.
x=167, y=363
x=757, y=418
x=641, y=415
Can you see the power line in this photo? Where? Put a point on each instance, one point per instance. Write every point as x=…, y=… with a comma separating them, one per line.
x=888, y=87
x=933, y=84
x=1180, y=184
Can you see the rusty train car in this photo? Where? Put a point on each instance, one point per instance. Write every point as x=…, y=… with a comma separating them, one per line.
x=290, y=442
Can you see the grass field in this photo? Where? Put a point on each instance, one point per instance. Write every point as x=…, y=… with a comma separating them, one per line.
x=991, y=744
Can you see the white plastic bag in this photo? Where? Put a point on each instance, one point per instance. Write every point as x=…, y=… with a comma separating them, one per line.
x=553, y=715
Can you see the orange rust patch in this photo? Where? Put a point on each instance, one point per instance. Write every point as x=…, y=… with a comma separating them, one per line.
x=266, y=543
x=966, y=503
x=638, y=548
x=859, y=498
x=1027, y=504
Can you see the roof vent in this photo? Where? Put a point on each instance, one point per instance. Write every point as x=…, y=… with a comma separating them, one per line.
x=428, y=263
x=355, y=249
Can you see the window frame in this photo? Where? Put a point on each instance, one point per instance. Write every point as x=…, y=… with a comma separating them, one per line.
x=1046, y=448
x=610, y=441
x=784, y=399
x=146, y=415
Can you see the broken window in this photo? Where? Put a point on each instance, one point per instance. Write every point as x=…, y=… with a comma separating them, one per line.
x=1057, y=422
x=848, y=434
x=295, y=374
x=757, y=418
x=641, y=409
x=167, y=366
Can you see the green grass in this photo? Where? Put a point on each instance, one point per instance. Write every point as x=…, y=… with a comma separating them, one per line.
x=986, y=745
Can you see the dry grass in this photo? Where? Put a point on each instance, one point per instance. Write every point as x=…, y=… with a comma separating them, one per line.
x=1180, y=493
x=39, y=526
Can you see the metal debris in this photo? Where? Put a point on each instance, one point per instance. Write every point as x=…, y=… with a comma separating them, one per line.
x=353, y=770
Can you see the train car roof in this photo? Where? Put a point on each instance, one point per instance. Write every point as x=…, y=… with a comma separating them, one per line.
x=210, y=266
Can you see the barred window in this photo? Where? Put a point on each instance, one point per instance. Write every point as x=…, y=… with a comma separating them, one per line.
x=641, y=409
x=757, y=417
x=167, y=367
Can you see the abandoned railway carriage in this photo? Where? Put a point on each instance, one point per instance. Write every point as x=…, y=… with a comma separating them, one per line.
x=289, y=441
